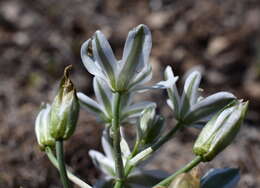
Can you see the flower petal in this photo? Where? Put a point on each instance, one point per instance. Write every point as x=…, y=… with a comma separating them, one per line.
x=103, y=94
x=169, y=78
x=124, y=149
x=91, y=106
x=88, y=61
x=208, y=106
x=170, y=83
x=190, y=93
x=104, y=55
x=135, y=110
x=136, y=54
x=42, y=129
x=101, y=162
x=107, y=144
x=141, y=78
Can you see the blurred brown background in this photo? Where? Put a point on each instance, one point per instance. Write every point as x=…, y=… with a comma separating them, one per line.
x=38, y=38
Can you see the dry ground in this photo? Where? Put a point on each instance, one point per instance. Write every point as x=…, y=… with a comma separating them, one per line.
x=39, y=38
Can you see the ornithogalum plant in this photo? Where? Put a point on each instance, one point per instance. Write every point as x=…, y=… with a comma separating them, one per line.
x=115, y=83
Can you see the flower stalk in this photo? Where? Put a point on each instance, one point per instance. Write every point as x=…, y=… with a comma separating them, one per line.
x=71, y=176
x=186, y=168
x=119, y=167
x=61, y=164
x=148, y=151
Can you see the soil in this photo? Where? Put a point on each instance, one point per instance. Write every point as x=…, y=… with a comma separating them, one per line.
x=39, y=38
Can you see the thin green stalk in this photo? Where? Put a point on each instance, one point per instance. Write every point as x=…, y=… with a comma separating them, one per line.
x=119, y=184
x=186, y=168
x=116, y=141
x=134, y=152
x=71, y=176
x=135, y=149
x=155, y=146
x=167, y=137
x=61, y=163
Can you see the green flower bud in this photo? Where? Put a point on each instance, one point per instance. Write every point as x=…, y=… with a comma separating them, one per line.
x=150, y=126
x=42, y=128
x=65, y=109
x=220, y=131
x=154, y=130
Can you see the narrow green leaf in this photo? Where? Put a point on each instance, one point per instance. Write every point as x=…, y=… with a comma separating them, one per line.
x=221, y=178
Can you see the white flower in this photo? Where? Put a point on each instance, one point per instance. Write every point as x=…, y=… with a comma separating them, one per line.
x=126, y=74
x=190, y=107
x=102, y=108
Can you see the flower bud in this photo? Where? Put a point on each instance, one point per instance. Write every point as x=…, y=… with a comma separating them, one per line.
x=146, y=120
x=150, y=126
x=65, y=109
x=220, y=131
x=154, y=131
x=42, y=128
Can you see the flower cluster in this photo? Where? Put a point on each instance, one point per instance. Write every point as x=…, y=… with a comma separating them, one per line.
x=115, y=84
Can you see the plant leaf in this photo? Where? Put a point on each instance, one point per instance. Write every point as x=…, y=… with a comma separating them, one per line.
x=221, y=178
x=146, y=179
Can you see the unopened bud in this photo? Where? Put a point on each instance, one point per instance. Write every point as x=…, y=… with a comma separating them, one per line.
x=42, y=128
x=65, y=109
x=220, y=131
x=150, y=126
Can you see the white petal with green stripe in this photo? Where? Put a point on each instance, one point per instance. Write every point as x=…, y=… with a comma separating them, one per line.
x=135, y=110
x=170, y=83
x=103, y=163
x=208, y=106
x=190, y=93
x=135, y=56
x=88, y=60
x=107, y=143
x=91, y=106
x=103, y=94
x=104, y=55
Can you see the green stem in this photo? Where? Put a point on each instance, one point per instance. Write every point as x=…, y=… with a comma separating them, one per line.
x=186, y=168
x=135, y=149
x=155, y=146
x=71, y=176
x=167, y=137
x=134, y=152
x=116, y=141
x=119, y=184
x=61, y=163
